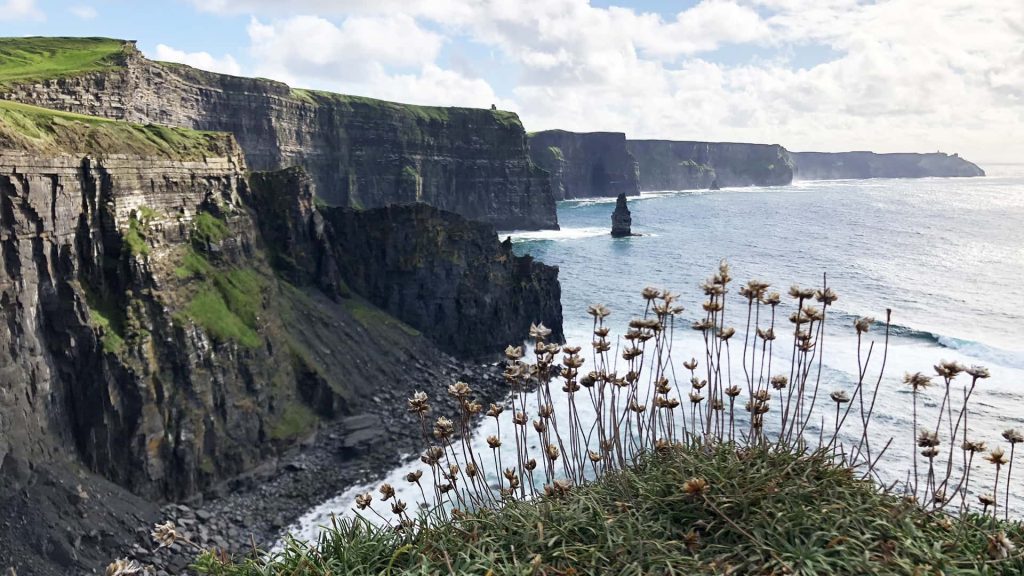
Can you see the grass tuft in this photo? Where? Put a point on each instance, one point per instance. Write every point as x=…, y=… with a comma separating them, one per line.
x=39, y=58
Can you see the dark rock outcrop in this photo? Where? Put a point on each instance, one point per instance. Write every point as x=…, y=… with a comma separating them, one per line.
x=445, y=276
x=675, y=165
x=622, y=221
x=360, y=152
x=584, y=165
x=858, y=165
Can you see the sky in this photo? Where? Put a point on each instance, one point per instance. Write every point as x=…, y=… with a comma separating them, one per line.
x=827, y=75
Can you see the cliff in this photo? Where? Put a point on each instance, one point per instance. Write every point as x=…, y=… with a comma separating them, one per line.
x=676, y=165
x=857, y=165
x=360, y=152
x=594, y=164
x=161, y=333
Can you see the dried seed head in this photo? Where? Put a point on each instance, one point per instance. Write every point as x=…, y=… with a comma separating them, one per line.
x=413, y=477
x=863, y=324
x=539, y=426
x=418, y=404
x=601, y=346
x=514, y=352
x=520, y=418
x=949, y=369
x=927, y=439
x=460, y=390
x=702, y=325
x=997, y=456
x=164, y=534
x=650, y=293
x=986, y=499
x=999, y=546
x=443, y=428
x=917, y=380
x=696, y=398
x=732, y=391
x=593, y=456
x=471, y=470
x=387, y=491
x=552, y=452
x=930, y=452
x=978, y=372
x=494, y=442
x=798, y=293
x=762, y=396
x=772, y=299
x=495, y=410
x=598, y=311
x=766, y=335
x=1013, y=436
x=690, y=364
x=602, y=332
x=840, y=397
x=779, y=381
x=531, y=464
x=973, y=446
x=363, y=500
x=539, y=332
x=716, y=404
x=695, y=486
x=121, y=567
x=826, y=296
x=397, y=507
x=726, y=333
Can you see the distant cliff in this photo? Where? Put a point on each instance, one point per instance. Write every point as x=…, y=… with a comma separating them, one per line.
x=169, y=325
x=677, y=165
x=594, y=164
x=360, y=152
x=856, y=165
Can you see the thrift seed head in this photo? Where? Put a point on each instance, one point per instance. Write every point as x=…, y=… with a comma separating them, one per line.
x=164, y=534
x=840, y=397
x=1013, y=436
x=123, y=567
x=997, y=456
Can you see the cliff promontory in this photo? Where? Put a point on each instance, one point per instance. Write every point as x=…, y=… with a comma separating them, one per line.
x=677, y=165
x=167, y=325
x=858, y=165
x=360, y=152
x=584, y=165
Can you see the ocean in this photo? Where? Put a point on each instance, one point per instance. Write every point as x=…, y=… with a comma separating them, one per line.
x=946, y=255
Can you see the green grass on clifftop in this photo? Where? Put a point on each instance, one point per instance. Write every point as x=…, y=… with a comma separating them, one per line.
x=38, y=58
x=763, y=512
x=40, y=130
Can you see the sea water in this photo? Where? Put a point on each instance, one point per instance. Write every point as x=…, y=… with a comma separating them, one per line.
x=946, y=255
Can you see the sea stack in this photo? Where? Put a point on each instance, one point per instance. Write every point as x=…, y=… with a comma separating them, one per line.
x=621, y=220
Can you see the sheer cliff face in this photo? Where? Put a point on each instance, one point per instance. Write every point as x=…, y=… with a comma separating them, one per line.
x=151, y=332
x=594, y=164
x=671, y=165
x=444, y=276
x=359, y=152
x=838, y=165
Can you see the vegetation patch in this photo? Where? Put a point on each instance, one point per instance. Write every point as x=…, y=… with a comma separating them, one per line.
x=31, y=59
x=34, y=129
x=210, y=310
x=135, y=238
x=296, y=421
x=209, y=229
x=371, y=316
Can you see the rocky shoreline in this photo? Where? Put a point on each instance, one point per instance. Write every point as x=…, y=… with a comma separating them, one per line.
x=255, y=508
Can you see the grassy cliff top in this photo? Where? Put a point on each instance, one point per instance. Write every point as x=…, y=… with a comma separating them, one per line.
x=37, y=58
x=426, y=113
x=40, y=130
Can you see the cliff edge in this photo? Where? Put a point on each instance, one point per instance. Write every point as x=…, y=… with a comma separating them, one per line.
x=859, y=165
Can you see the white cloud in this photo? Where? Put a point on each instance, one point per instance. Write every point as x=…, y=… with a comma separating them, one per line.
x=20, y=10
x=305, y=48
x=84, y=12
x=201, y=60
x=825, y=74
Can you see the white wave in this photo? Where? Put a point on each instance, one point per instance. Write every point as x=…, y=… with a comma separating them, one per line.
x=563, y=234
x=973, y=349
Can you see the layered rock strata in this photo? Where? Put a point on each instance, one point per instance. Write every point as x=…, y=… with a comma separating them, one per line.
x=360, y=152
x=678, y=165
